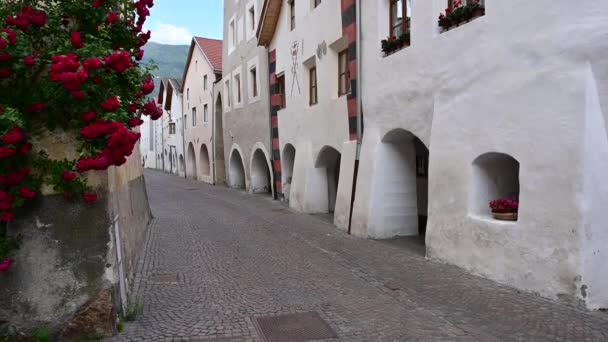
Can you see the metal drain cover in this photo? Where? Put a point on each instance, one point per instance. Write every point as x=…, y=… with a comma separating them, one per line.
x=294, y=328
x=164, y=279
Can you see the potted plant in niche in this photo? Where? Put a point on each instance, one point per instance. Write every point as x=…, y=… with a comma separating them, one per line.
x=505, y=209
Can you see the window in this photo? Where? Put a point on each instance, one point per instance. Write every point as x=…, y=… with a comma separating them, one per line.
x=292, y=14
x=193, y=116
x=196, y=66
x=253, y=79
x=188, y=94
x=252, y=18
x=206, y=114
x=231, y=35
x=316, y=3
x=281, y=90
x=313, y=86
x=399, y=17
x=237, y=86
x=172, y=128
x=343, y=73
x=227, y=93
x=205, y=82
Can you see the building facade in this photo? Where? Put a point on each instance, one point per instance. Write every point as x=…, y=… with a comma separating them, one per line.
x=171, y=99
x=312, y=56
x=498, y=106
x=246, y=123
x=203, y=70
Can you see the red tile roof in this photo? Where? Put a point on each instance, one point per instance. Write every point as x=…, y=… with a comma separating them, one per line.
x=213, y=50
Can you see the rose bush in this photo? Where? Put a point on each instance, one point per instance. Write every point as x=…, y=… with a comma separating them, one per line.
x=73, y=66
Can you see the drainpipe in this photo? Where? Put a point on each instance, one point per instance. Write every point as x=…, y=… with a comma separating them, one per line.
x=213, y=132
x=183, y=128
x=275, y=195
x=359, y=113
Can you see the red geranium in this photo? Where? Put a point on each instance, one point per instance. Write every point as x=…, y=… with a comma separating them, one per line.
x=76, y=40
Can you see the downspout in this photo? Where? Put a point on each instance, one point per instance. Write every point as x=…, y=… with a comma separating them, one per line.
x=275, y=195
x=213, y=132
x=359, y=113
x=183, y=128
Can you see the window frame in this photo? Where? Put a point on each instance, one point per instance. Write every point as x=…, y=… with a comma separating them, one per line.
x=343, y=57
x=281, y=90
x=404, y=27
x=313, y=86
x=316, y=3
x=292, y=14
x=193, y=116
x=205, y=113
x=205, y=82
x=253, y=74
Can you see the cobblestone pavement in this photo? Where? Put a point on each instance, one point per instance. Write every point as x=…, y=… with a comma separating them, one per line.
x=217, y=258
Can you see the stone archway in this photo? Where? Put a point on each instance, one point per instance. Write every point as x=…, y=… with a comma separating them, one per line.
x=191, y=163
x=204, y=161
x=400, y=187
x=260, y=173
x=288, y=159
x=182, y=164
x=236, y=171
x=329, y=159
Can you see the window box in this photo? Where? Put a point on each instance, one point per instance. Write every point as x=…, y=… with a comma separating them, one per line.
x=460, y=14
x=393, y=44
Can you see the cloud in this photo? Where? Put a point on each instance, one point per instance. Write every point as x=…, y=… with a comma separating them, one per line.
x=169, y=34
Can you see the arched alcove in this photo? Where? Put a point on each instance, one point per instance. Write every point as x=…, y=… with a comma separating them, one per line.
x=400, y=186
x=236, y=171
x=329, y=159
x=182, y=164
x=204, y=158
x=260, y=173
x=288, y=160
x=191, y=162
x=219, y=160
x=494, y=175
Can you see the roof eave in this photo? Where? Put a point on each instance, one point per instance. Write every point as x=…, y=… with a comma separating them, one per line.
x=268, y=21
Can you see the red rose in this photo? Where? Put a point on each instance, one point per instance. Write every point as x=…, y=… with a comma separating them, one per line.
x=88, y=116
x=7, y=152
x=13, y=136
x=5, y=57
x=133, y=107
x=68, y=176
x=5, y=73
x=76, y=40
x=140, y=55
x=36, y=107
x=25, y=149
x=92, y=64
x=97, y=80
x=148, y=87
x=78, y=95
x=7, y=216
x=112, y=18
x=5, y=265
x=89, y=197
x=26, y=193
x=111, y=104
x=29, y=61
x=38, y=19
x=136, y=122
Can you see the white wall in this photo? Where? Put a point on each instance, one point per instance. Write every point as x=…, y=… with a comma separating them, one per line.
x=310, y=128
x=202, y=133
x=514, y=82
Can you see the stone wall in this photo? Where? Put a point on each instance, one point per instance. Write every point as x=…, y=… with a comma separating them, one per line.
x=65, y=276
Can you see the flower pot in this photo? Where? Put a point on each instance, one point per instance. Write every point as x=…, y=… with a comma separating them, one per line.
x=504, y=216
x=479, y=12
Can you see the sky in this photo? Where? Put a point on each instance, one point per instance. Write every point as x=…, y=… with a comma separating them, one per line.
x=176, y=21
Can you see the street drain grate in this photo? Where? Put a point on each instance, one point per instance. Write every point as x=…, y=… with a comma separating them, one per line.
x=164, y=279
x=294, y=328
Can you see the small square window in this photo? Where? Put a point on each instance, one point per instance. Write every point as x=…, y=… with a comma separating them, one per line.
x=193, y=116
x=206, y=114
x=313, y=86
x=205, y=82
x=253, y=77
x=343, y=73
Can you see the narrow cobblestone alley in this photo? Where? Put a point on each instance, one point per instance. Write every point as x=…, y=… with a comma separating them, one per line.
x=216, y=260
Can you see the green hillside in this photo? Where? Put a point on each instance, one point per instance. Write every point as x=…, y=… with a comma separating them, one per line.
x=170, y=59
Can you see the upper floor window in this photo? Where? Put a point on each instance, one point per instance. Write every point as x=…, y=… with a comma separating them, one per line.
x=237, y=88
x=228, y=93
x=251, y=14
x=231, y=35
x=399, y=22
x=206, y=114
x=188, y=94
x=461, y=11
x=281, y=90
x=292, y=14
x=172, y=128
x=313, y=86
x=193, y=116
x=316, y=3
x=253, y=78
x=343, y=73
x=205, y=82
